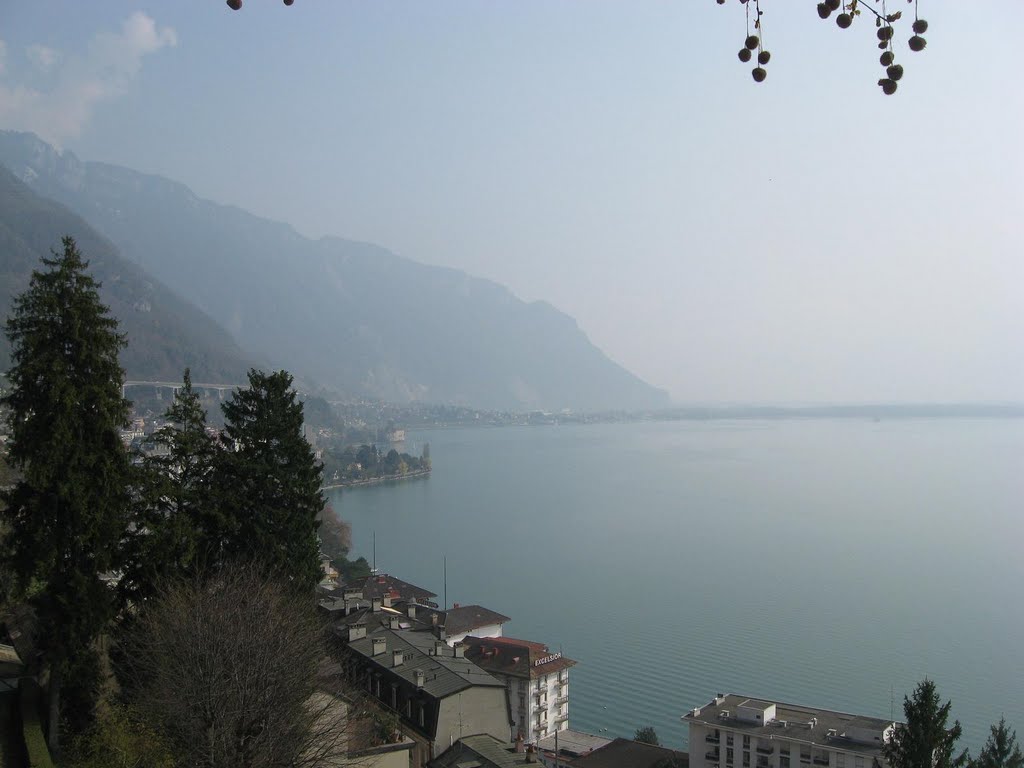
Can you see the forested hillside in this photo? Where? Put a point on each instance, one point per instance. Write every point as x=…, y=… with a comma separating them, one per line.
x=165, y=333
x=351, y=316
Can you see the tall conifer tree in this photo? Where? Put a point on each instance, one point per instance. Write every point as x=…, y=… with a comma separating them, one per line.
x=271, y=481
x=1001, y=750
x=924, y=740
x=178, y=528
x=67, y=512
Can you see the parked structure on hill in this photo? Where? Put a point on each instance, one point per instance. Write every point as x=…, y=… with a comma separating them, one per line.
x=742, y=732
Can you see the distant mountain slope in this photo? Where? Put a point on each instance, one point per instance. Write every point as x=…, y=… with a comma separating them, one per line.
x=353, y=316
x=165, y=333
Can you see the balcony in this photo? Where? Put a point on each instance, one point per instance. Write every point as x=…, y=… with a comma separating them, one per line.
x=562, y=717
x=712, y=738
x=821, y=760
x=561, y=700
x=712, y=755
x=769, y=750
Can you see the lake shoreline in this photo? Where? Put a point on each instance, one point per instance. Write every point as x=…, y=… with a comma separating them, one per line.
x=377, y=480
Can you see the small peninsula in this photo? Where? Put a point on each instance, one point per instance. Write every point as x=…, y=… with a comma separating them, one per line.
x=366, y=465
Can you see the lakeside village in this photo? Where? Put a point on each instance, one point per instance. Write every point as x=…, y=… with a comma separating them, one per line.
x=344, y=465
x=463, y=695
x=452, y=692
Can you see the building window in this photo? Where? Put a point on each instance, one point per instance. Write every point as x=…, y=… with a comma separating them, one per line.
x=728, y=739
x=746, y=760
x=840, y=760
x=784, y=749
x=408, y=709
x=422, y=716
x=805, y=754
x=859, y=762
x=728, y=755
x=784, y=761
x=746, y=742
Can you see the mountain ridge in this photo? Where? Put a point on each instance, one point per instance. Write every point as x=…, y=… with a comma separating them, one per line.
x=165, y=333
x=353, y=316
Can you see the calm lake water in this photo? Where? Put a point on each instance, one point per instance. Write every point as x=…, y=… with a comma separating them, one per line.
x=829, y=563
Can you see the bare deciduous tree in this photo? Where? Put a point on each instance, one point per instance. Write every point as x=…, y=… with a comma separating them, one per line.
x=230, y=670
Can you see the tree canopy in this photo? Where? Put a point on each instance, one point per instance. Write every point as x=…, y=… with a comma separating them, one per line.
x=1001, y=750
x=647, y=735
x=225, y=670
x=270, y=480
x=67, y=511
x=177, y=521
x=924, y=740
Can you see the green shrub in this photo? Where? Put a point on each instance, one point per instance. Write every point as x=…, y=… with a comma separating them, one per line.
x=119, y=739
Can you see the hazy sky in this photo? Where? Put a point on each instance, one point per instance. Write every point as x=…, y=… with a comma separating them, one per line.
x=806, y=239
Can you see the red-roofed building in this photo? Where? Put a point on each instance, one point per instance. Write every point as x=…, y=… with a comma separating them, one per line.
x=536, y=682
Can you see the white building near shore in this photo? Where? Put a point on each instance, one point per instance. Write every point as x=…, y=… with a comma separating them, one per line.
x=536, y=682
x=743, y=732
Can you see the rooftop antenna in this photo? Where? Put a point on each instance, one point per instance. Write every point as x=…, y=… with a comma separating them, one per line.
x=446, y=582
x=375, y=550
x=892, y=703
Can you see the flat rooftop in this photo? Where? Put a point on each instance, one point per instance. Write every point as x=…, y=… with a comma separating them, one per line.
x=825, y=728
x=573, y=743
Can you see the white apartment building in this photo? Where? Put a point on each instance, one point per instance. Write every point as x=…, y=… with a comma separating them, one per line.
x=536, y=682
x=742, y=732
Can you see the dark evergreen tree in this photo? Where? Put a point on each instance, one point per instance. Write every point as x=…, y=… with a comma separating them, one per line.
x=178, y=526
x=1001, y=750
x=270, y=481
x=924, y=741
x=647, y=735
x=67, y=512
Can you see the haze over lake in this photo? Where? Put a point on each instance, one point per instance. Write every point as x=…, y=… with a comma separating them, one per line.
x=821, y=562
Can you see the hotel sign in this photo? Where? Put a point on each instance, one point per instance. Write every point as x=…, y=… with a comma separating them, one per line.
x=547, y=659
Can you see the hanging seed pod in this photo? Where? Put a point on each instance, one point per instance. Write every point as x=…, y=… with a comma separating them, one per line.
x=844, y=20
x=764, y=57
x=895, y=72
x=759, y=74
x=888, y=86
x=752, y=42
x=920, y=26
x=886, y=58
x=917, y=43
x=884, y=33
x=883, y=45
x=833, y=5
x=744, y=55
x=824, y=10
x=234, y=5
x=288, y=2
